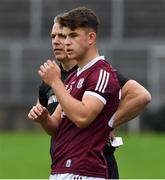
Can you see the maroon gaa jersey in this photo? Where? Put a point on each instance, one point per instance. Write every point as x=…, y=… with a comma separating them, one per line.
x=80, y=150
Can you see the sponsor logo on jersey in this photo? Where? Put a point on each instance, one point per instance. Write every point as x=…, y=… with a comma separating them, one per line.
x=52, y=99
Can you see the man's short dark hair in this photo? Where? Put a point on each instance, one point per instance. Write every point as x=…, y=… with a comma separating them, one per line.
x=79, y=17
x=57, y=18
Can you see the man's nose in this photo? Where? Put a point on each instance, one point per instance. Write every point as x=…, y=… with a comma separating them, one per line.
x=67, y=41
x=56, y=40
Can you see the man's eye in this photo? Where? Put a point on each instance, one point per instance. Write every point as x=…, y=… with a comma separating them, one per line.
x=53, y=36
x=63, y=37
x=74, y=35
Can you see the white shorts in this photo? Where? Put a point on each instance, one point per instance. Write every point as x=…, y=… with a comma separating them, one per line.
x=69, y=176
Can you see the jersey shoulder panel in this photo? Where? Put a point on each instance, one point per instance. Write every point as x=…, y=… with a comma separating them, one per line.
x=100, y=77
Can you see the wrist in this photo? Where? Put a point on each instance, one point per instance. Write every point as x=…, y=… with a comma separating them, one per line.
x=56, y=83
x=45, y=119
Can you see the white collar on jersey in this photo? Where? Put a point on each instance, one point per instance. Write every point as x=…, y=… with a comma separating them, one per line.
x=91, y=63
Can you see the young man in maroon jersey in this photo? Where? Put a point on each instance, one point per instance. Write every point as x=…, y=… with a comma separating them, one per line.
x=129, y=83
x=91, y=98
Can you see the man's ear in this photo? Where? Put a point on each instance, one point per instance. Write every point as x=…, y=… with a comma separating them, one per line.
x=91, y=37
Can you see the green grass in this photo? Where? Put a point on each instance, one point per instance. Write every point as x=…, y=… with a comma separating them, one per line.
x=26, y=156
x=142, y=156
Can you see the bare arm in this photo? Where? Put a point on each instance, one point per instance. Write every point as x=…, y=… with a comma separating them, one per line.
x=81, y=113
x=134, y=97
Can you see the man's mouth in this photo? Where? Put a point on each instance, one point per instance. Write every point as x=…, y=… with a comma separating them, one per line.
x=58, y=49
x=69, y=50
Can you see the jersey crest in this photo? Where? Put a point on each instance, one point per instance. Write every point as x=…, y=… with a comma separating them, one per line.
x=80, y=83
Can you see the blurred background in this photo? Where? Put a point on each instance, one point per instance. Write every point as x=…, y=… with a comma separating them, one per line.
x=132, y=38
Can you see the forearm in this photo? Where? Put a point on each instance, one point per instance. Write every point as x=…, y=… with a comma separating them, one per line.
x=74, y=109
x=81, y=113
x=51, y=122
x=49, y=125
x=134, y=98
x=128, y=111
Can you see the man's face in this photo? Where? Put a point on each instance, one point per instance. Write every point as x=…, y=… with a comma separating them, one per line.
x=58, y=43
x=76, y=42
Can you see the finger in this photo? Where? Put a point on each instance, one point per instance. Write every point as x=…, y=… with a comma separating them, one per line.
x=42, y=68
x=46, y=65
x=40, y=108
x=49, y=61
x=37, y=110
x=41, y=73
x=112, y=136
x=33, y=115
x=45, y=110
x=30, y=116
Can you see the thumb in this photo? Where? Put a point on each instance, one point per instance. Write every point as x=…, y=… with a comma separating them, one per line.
x=45, y=110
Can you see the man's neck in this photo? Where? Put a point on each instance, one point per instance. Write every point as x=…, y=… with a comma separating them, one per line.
x=69, y=64
x=87, y=59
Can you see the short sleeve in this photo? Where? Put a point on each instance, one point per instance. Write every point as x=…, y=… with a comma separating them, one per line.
x=100, y=84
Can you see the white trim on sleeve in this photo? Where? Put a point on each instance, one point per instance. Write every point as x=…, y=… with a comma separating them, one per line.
x=111, y=121
x=101, y=98
x=120, y=94
x=102, y=81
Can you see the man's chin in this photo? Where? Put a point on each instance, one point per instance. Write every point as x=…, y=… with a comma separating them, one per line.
x=70, y=56
x=60, y=58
